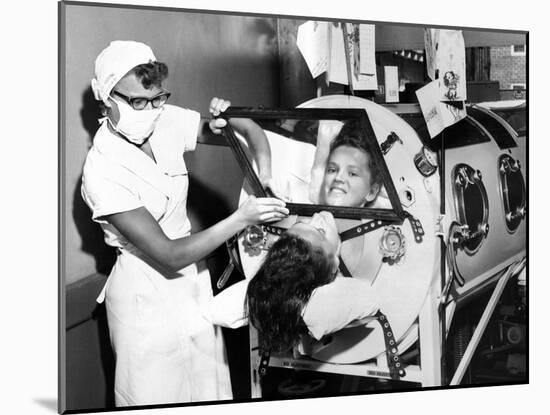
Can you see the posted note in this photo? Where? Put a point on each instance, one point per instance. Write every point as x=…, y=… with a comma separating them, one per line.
x=438, y=115
x=313, y=43
x=446, y=62
x=344, y=64
x=367, y=48
x=391, y=83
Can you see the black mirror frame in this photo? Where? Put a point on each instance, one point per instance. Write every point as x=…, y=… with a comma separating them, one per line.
x=394, y=215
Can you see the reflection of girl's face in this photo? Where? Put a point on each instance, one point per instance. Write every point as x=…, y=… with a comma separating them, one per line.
x=321, y=231
x=347, y=180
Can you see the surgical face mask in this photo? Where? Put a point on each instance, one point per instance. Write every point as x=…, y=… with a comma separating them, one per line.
x=135, y=125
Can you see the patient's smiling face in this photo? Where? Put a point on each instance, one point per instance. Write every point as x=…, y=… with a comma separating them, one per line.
x=320, y=230
x=347, y=180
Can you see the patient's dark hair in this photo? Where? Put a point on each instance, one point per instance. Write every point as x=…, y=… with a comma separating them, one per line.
x=276, y=296
x=152, y=73
x=353, y=135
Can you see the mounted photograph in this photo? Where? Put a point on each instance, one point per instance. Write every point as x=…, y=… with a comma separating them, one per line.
x=261, y=207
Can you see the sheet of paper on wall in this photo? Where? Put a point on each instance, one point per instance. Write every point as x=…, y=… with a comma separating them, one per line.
x=367, y=49
x=361, y=81
x=313, y=43
x=451, y=63
x=337, y=69
x=391, y=83
x=430, y=42
x=446, y=61
x=341, y=57
x=437, y=114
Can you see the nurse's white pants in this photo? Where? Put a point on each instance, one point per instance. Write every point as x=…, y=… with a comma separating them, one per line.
x=165, y=351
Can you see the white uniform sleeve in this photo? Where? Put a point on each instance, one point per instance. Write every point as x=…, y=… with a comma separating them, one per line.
x=105, y=192
x=333, y=306
x=193, y=119
x=179, y=125
x=227, y=309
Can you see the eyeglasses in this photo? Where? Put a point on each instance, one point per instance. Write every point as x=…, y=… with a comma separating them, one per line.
x=139, y=103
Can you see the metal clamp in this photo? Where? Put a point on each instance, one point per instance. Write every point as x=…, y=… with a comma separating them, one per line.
x=508, y=165
x=462, y=234
x=355, y=232
x=457, y=234
x=362, y=229
x=416, y=225
x=518, y=214
x=395, y=365
x=390, y=141
x=464, y=178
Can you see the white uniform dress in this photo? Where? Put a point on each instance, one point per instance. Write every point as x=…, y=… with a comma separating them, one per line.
x=165, y=351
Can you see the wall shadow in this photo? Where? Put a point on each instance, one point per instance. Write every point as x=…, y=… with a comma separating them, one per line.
x=107, y=355
x=206, y=207
x=89, y=231
x=209, y=208
x=90, y=113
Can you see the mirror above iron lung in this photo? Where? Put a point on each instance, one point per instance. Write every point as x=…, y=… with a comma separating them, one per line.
x=321, y=159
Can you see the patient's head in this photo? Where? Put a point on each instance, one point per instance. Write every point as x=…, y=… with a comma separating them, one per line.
x=351, y=176
x=304, y=258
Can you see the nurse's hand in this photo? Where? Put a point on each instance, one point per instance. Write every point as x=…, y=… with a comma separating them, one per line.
x=217, y=106
x=261, y=209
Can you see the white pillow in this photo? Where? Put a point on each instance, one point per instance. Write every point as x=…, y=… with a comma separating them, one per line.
x=330, y=307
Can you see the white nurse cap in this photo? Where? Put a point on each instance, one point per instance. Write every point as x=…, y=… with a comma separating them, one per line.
x=115, y=61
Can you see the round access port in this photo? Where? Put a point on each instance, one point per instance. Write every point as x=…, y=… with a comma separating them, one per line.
x=512, y=191
x=472, y=205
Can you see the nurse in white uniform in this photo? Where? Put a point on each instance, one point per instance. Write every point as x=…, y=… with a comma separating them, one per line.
x=135, y=182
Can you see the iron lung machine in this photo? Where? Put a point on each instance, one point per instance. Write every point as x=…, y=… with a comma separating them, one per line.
x=462, y=229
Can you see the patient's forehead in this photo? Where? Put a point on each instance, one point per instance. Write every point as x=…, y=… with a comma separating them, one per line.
x=349, y=154
x=328, y=241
